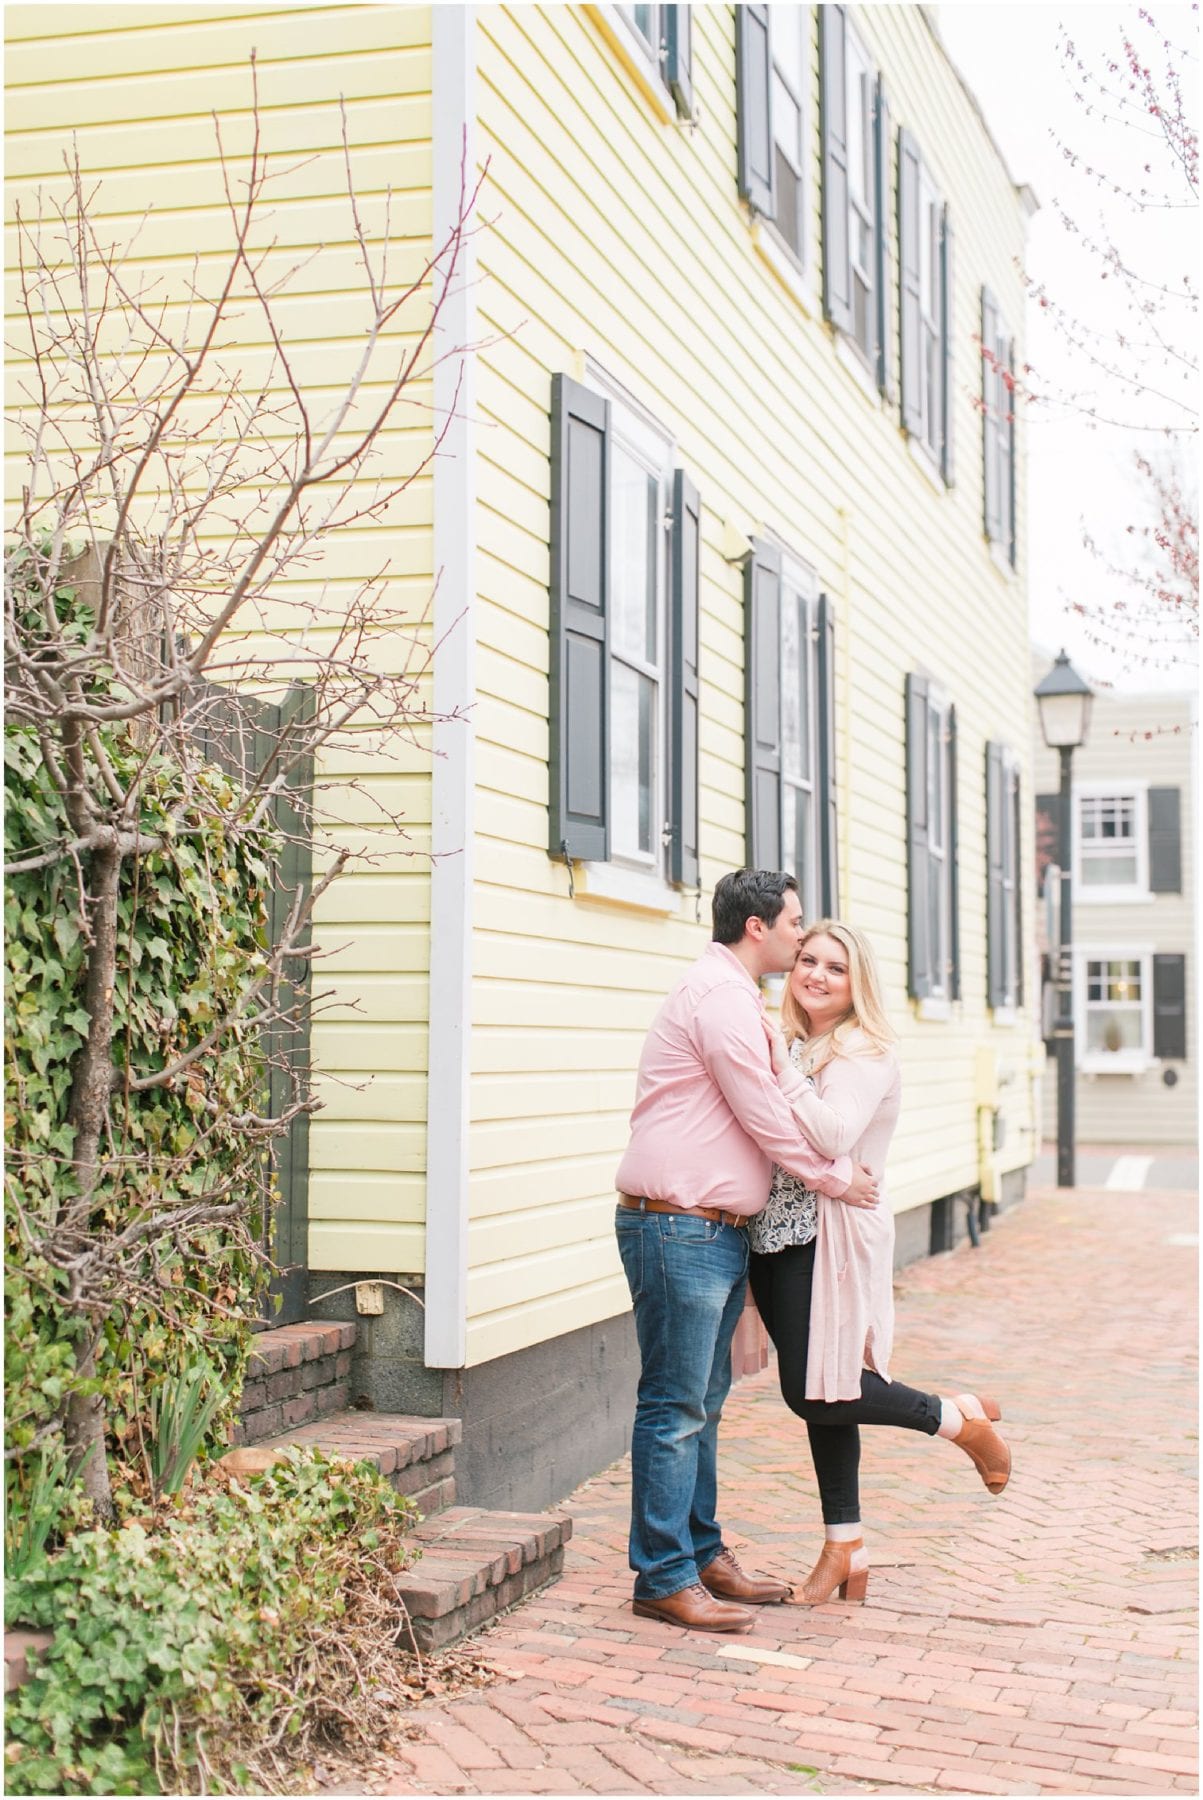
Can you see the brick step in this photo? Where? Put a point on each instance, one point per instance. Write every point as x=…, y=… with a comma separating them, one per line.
x=474, y=1566
x=294, y=1374
x=417, y=1455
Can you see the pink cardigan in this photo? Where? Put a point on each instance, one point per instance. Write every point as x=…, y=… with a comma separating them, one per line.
x=853, y=1113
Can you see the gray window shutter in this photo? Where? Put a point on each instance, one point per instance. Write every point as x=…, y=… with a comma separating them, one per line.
x=1165, y=840
x=908, y=282
x=918, y=962
x=1020, y=957
x=829, y=887
x=678, y=67
x=579, y=697
x=833, y=117
x=762, y=653
x=993, y=515
x=683, y=684
x=996, y=799
x=753, y=74
x=954, y=885
x=881, y=149
x=1169, y=1007
x=947, y=341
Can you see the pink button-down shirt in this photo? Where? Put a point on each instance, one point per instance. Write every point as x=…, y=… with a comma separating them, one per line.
x=710, y=1120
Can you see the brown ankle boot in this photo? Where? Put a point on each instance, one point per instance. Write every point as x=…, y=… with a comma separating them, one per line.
x=844, y=1566
x=986, y=1448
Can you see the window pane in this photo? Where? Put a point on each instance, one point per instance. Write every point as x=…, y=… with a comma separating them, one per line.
x=633, y=707
x=644, y=18
x=795, y=689
x=1118, y=870
x=1113, y=1028
x=633, y=509
x=788, y=217
x=798, y=847
x=788, y=25
x=1123, y=981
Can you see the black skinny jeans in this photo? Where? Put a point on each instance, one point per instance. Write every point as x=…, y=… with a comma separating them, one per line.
x=781, y=1286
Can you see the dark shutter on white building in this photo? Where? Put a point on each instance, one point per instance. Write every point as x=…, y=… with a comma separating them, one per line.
x=579, y=674
x=1169, y=1007
x=1165, y=840
x=996, y=958
x=753, y=75
x=954, y=880
x=947, y=336
x=833, y=123
x=762, y=750
x=881, y=158
x=683, y=684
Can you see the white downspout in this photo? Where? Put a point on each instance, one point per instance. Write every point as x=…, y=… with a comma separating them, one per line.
x=453, y=141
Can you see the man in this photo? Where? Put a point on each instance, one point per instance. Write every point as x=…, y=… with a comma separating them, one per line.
x=708, y=1125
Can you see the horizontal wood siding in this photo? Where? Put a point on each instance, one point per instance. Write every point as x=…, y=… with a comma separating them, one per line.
x=137, y=85
x=620, y=236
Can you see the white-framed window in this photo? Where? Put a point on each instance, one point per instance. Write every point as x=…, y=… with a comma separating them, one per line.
x=1004, y=934
x=641, y=464
x=790, y=51
x=1111, y=838
x=998, y=428
x=800, y=846
x=933, y=972
x=860, y=80
x=931, y=306
x=1113, y=995
x=658, y=41
x=939, y=841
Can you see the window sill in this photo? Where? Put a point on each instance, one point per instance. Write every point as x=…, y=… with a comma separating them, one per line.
x=1005, y=1015
x=795, y=277
x=856, y=366
x=636, y=58
x=1084, y=896
x=1132, y=1064
x=933, y=1007
x=923, y=459
x=620, y=886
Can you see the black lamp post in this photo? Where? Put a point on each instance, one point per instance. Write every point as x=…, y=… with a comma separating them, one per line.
x=1064, y=702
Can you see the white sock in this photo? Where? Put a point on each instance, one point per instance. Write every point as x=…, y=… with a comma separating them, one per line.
x=953, y=1414
x=842, y=1534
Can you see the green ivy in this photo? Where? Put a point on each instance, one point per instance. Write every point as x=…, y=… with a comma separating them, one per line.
x=186, y=1638
x=193, y=938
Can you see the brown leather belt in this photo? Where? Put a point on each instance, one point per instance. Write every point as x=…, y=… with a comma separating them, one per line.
x=714, y=1214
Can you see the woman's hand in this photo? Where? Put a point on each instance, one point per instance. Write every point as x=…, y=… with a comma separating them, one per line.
x=862, y=1190
x=778, y=1049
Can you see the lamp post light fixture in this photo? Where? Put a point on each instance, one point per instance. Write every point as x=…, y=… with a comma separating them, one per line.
x=1064, y=701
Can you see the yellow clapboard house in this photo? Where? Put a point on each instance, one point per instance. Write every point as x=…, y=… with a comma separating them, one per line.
x=729, y=539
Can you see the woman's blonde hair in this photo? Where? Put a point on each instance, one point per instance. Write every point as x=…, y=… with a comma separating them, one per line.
x=866, y=1013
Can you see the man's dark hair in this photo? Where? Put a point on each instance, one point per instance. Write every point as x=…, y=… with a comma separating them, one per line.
x=748, y=894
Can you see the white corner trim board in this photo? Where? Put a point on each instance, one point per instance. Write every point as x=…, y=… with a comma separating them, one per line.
x=453, y=768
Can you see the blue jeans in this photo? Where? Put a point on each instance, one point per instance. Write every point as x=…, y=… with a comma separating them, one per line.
x=687, y=1278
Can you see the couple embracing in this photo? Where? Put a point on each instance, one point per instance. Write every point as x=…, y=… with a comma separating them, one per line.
x=757, y=1153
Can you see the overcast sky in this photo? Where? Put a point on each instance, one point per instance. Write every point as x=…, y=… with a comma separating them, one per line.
x=1011, y=56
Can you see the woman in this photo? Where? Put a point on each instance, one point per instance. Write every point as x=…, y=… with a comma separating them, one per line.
x=822, y=1272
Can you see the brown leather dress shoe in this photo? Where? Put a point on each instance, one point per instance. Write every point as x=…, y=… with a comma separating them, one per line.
x=695, y=1610
x=728, y=1581
x=985, y=1447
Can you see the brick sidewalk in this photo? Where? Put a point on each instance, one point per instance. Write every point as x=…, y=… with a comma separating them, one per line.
x=1042, y=1642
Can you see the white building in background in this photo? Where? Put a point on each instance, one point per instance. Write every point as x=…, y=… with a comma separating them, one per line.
x=1134, y=875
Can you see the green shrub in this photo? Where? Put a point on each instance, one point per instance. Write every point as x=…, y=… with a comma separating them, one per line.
x=209, y=1646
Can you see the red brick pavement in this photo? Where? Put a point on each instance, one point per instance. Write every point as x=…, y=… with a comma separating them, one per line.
x=1041, y=1642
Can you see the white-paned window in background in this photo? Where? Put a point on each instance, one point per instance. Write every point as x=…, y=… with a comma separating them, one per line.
x=646, y=21
x=799, y=733
x=1111, y=843
x=859, y=84
x=931, y=293
x=640, y=490
x=790, y=28
x=1115, y=1011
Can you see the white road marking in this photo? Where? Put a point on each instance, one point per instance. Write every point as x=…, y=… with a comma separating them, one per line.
x=779, y=1658
x=1130, y=1173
